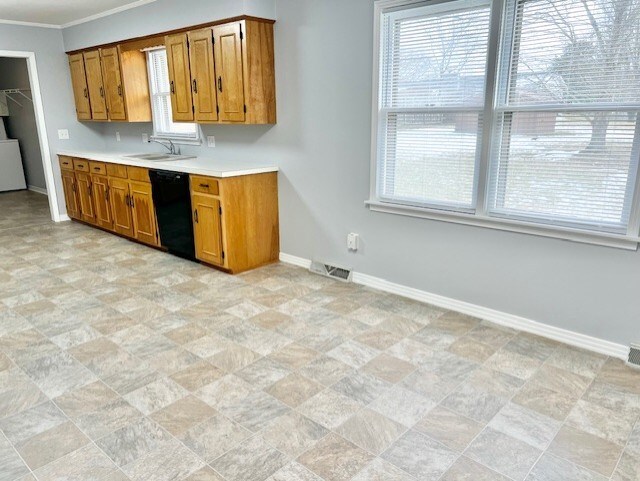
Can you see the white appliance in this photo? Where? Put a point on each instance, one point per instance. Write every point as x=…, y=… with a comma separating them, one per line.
x=11, y=170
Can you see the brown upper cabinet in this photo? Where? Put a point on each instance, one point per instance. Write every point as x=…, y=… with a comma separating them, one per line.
x=220, y=72
x=96, y=85
x=179, y=77
x=111, y=84
x=80, y=88
x=203, y=80
x=223, y=74
x=229, y=69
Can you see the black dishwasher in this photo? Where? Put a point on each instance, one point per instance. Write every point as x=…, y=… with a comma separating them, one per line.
x=172, y=199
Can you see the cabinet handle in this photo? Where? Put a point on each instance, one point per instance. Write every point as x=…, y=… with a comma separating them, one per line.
x=86, y=93
x=195, y=86
x=220, y=84
x=131, y=200
x=120, y=90
x=126, y=200
x=195, y=215
x=173, y=87
x=106, y=194
x=204, y=186
x=90, y=189
x=102, y=92
x=97, y=169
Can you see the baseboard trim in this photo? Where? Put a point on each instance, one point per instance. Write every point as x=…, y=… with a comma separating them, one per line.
x=37, y=190
x=64, y=218
x=572, y=338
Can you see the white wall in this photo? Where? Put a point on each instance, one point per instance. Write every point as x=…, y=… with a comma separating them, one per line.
x=55, y=83
x=322, y=144
x=21, y=124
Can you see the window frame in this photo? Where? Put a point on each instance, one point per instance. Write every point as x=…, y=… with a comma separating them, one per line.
x=480, y=215
x=175, y=137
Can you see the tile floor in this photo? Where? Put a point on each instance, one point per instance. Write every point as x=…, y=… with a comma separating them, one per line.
x=118, y=362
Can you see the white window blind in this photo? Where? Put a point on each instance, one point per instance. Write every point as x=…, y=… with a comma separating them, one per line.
x=163, y=124
x=522, y=115
x=432, y=87
x=565, y=149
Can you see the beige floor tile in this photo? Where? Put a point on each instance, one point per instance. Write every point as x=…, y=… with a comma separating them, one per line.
x=451, y=429
x=552, y=468
x=85, y=463
x=329, y=408
x=586, y=450
x=254, y=459
x=294, y=389
x=293, y=433
x=335, y=459
x=465, y=469
x=133, y=441
x=389, y=368
x=371, y=431
x=197, y=375
x=420, y=456
x=504, y=454
x=601, y=421
x=96, y=320
x=183, y=415
x=214, y=437
x=50, y=445
x=381, y=470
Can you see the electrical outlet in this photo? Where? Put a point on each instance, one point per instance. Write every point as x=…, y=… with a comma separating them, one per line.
x=63, y=134
x=353, y=242
x=145, y=138
x=211, y=141
x=117, y=136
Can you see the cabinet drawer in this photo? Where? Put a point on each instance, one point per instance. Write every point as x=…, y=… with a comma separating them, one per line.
x=66, y=163
x=205, y=185
x=98, y=168
x=117, y=170
x=138, y=173
x=81, y=165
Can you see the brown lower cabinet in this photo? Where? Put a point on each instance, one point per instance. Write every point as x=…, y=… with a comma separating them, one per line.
x=236, y=225
x=114, y=203
x=235, y=219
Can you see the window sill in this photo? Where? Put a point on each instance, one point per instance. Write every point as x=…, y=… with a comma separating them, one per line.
x=176, y=140
x=564, y=233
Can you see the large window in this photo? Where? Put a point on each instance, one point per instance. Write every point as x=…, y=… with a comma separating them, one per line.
x=163, y=125
x=519, y=114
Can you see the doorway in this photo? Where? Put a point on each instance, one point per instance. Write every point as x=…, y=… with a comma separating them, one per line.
x=28, y=186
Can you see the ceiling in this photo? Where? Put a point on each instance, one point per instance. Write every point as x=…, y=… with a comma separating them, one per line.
x=61, y=12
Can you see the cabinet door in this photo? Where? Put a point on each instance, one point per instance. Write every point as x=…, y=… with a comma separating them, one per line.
x=228, y=64
x=144, y=214
x=207, y=228
x=85, y=197
x=121, y=206
x=112, y=78
x=203, y=79
x=95, y=85
x=80, y=89
x=179, y=77
x=100, y=190
x=71, y=194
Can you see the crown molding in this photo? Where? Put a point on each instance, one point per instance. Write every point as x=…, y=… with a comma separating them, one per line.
x=29, y=24
x=129, y=6
x=123, y=8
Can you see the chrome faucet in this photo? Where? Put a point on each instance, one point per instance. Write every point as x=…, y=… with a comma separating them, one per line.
x=173, y=150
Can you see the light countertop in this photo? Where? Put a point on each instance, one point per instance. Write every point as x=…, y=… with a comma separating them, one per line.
x=196, y=165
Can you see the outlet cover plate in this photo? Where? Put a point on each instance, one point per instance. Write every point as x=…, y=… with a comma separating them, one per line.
x=211, y=141
x=63, y=134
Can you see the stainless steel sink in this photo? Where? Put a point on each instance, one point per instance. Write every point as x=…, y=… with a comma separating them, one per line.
x=159, y=157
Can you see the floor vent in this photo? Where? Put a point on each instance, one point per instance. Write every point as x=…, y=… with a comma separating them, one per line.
x=634, y=355
x=328, y=270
